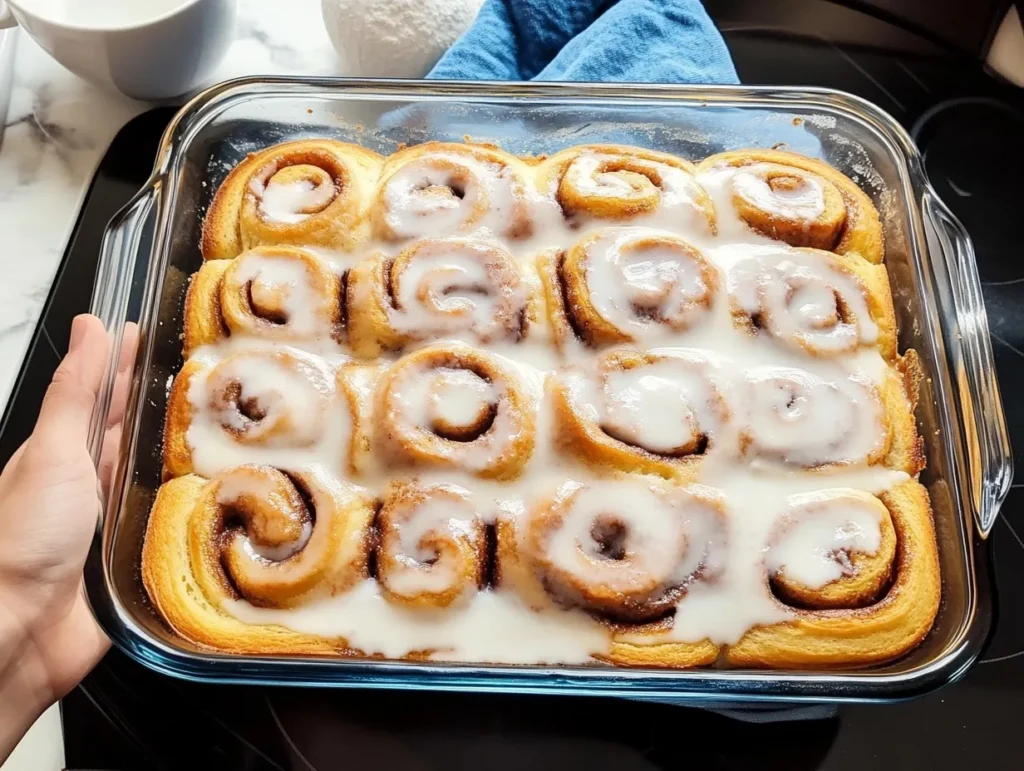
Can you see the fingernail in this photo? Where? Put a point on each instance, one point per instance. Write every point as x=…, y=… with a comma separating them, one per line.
x=77, y=329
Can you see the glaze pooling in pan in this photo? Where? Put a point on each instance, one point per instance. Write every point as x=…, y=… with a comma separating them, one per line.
x=608, y=406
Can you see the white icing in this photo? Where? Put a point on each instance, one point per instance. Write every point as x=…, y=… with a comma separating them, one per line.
x=805, y=420
x=665, y=406
x=421, y=568
x=802, y=297
x=653, y=541
x=802, y=203
x=806, y=551
x=295, y=200
x=456, y=397
x=283, y=283
x=423, y=399
x=441, y=194
x=645, y=290
x=494, y=626
x=457, y=286
x=313, y=419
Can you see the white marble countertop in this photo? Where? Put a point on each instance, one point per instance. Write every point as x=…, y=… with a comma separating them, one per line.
x=58, y=127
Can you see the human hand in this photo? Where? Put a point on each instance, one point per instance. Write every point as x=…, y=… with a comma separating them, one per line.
x=49, y=503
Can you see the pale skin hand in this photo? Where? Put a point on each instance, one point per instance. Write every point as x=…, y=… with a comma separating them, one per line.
x=48, y=511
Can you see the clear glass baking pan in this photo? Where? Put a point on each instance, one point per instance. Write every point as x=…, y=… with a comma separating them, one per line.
x=151, y=247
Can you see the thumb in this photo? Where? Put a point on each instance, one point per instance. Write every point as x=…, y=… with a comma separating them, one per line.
x=63, y=423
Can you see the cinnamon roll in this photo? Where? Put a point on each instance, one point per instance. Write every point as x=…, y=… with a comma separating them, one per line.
x=860, y=574
x=439, y=288
x=271, y=292
x=452, y=405
x=261, y=403
x=796, y=199
x=620, y=182
x=648, y=412
x=832, y=549
x=312, y=192
x=794, y=417
x=253, y=533
x=802, y=420
x=624, y=551
x=433, y=545
x=623, y=285
x=445, y=188
x=823, y=304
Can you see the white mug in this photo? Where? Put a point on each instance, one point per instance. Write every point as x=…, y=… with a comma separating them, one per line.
x=147, y=49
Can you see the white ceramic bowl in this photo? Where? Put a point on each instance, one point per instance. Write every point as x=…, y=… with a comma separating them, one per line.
x=157, y=58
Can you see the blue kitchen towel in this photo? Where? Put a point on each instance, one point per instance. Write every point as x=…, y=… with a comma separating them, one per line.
x=628, y=41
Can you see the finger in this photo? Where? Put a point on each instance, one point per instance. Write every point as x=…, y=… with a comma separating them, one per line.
x=123, y=378
x=64, y=418
x=108, y=457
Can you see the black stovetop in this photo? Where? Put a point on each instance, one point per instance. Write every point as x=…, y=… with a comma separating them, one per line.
x=124, y=716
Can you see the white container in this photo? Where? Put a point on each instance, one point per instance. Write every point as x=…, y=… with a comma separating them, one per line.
x=154, y=54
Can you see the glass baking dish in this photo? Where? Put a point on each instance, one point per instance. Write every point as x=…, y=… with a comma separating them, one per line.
x=151, y=247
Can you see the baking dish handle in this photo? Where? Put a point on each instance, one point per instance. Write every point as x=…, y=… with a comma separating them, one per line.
x=990, y=459
x=119, y=257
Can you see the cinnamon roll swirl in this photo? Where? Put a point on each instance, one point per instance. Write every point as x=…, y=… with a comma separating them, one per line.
x=799, y=200
x=256, y=534
x=312, y=192
x=451, y=405
x=861, y=575
x=271, y=292
x=260, y=403
x=620, y=182
x=623, y=285
x=439, y=288
x=823, y=304
x=648, y=412
x=802, y=420
x=625, y=551
x=445, y=188
x=832, y=549
x=433, y=545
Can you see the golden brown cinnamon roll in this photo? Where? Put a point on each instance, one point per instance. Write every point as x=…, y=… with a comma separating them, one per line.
x=256, y=534
x=832, y=549
x=433, y=545
x=624, y=550
x=823, y=304
x=312, y=192
x=862, y=577
x=438, y=288
x=647, y=412
x=796, y=199
x=627, y=284
x=620, y=182
x=445, y=188
x=452, y=405
x=802, y=420
x=261, y=404
x=271, y=292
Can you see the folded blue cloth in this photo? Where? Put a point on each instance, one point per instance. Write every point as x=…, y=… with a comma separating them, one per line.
x=628, y=41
